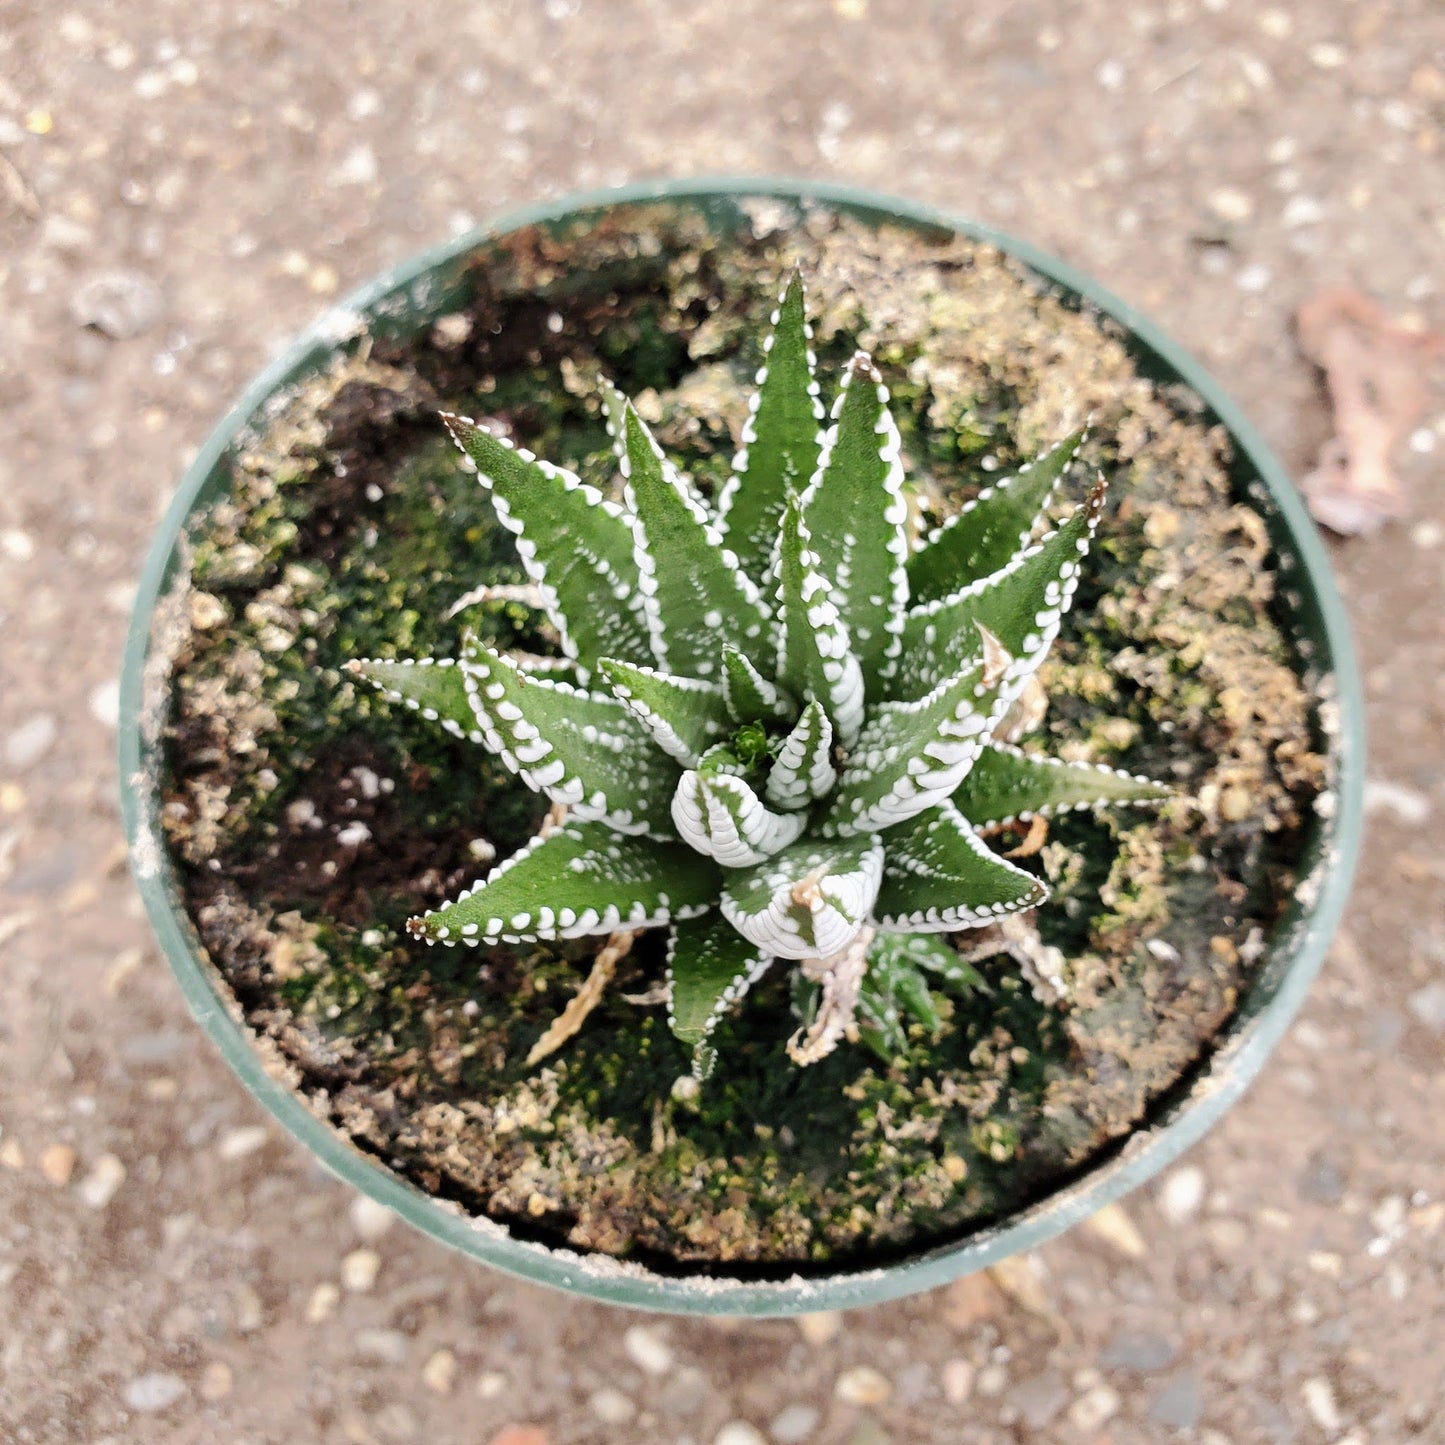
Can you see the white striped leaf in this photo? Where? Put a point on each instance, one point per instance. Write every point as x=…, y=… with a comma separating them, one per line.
x=912, y=755
x=857, y=516
x=780, y=440
x=1023, y=604
x=694, y=596
x=433, y=687
x=579, y=748
x=1007, y=785
x=685, y=715
x=710, y=966
x=810, y=900
x=991, y=529
x=574, y=544
x=939, y=877
x=815, y=658
x=803, y=771
x=582, y=878
x=750, y=696
x=720, y=815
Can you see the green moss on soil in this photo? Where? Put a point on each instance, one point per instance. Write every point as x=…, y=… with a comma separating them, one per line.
x=310, y=819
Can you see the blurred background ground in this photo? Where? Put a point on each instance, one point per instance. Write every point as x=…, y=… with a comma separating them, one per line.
x=184, y=185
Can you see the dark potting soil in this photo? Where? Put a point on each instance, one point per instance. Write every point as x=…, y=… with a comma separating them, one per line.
x=308, y=818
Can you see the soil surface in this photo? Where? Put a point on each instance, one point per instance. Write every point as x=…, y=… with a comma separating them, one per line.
x=179, y=191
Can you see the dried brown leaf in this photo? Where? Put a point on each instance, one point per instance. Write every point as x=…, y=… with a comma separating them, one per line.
x=1375, y=371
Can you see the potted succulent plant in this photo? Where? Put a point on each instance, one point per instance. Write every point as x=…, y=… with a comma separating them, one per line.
x=752, y=701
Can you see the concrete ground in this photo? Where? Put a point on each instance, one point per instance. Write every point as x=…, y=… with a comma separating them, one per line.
x=181, y=187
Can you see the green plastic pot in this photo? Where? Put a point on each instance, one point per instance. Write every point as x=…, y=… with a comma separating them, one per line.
x=404, y=300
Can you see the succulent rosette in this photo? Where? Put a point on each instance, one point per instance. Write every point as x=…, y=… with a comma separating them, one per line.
x=775, y=726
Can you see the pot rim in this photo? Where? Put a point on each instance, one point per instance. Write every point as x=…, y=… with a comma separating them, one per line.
x=1177, y=1120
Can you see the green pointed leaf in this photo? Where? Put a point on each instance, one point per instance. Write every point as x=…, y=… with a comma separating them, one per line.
x=694, y=597
x=751, y=697
x=1006, y=785
x=579, y=748
x=810, y=900
x=685, y=715
x=991, y=529
x=815, y=658
x=614, y=416
x=575, y=545
x=710, y=966
x=1023, y=605
x=929, y=952
x=803, y=770
x=940, y=877
x=720, y=815
x=434, y=687
x=911, y=756
x=857, y=516
x=780, y=440
x=580, y=879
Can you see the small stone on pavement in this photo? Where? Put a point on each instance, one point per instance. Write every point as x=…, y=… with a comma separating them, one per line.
x=150, y=1394
x=1094, y=1408
x=359, y=1270
x=322, y=1304
x=440, y=1372
x=369, y=1219
x=821, y=1327
x=57, y=1163
x=611, y=1406
x=738, y=1432
x=793, y=1424
x=216, y=1381
x=863, y=1385
x=1181, y=1194
x=106, y=1175
x=647, y=1349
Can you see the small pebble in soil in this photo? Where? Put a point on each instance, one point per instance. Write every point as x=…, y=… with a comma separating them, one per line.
x=98, y=1187
x=863, y=1385
x=57, y=1163
x=322, y=1303
x=216, y=1381
x=490, y=1385
x=1181, y=1194
x=369, y=1219
x=359, y=1270
x=793, y=1424
x=152, y=1393
x=647, y=1349
x=440, y=1372
x=611, y=1406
